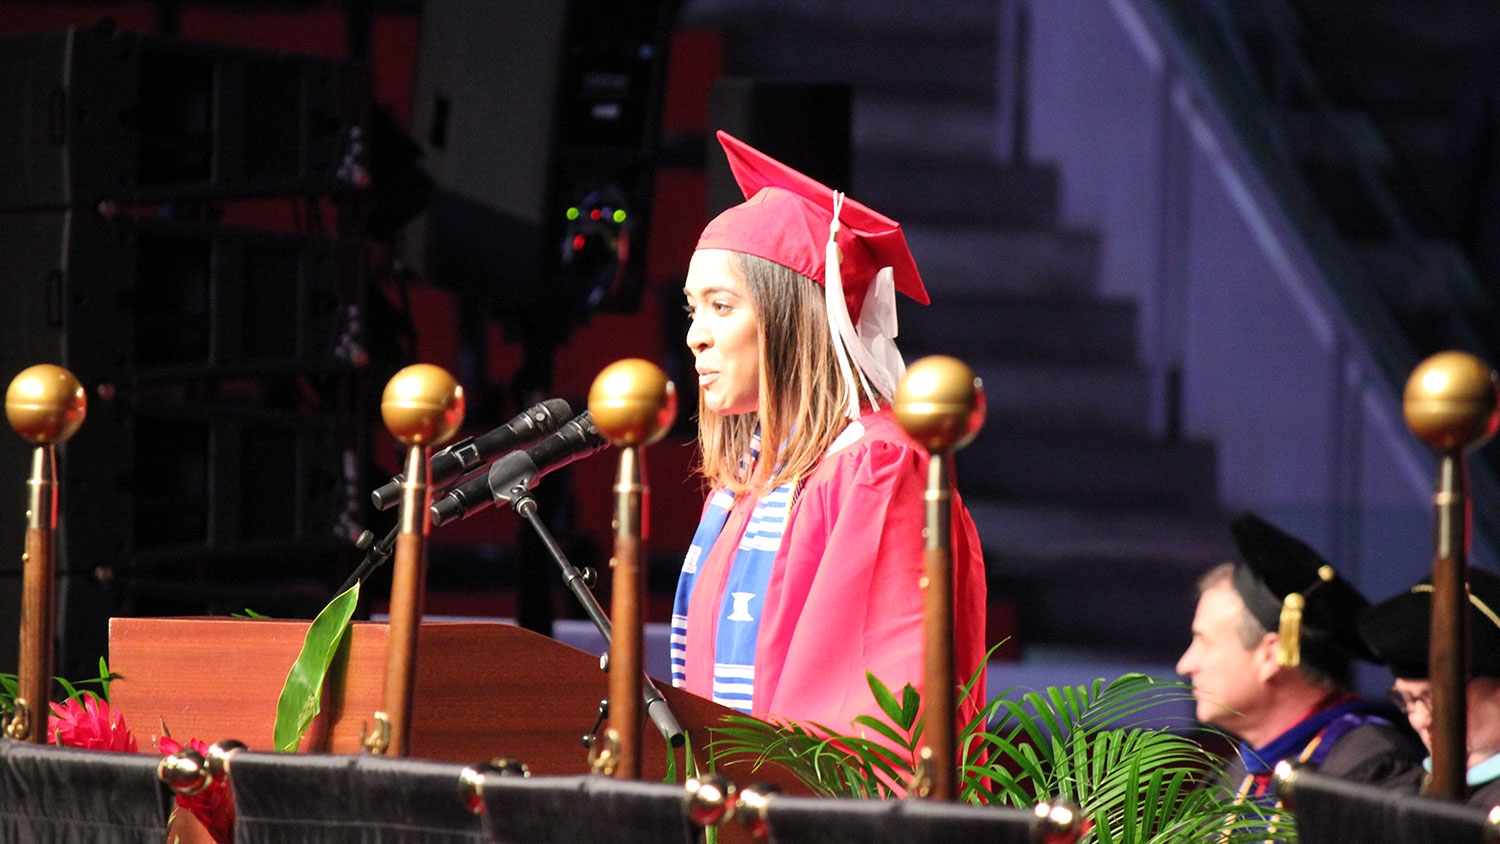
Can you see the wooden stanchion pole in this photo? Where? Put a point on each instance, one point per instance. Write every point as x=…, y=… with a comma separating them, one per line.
x=45, y=404
x=941, y=405
x=632, y=404
x=422, y=406
x=1450, y=403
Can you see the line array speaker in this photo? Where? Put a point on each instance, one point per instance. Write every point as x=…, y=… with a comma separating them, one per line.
x=98, y=116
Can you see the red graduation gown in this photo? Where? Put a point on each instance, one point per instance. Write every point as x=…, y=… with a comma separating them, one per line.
x=844, y=594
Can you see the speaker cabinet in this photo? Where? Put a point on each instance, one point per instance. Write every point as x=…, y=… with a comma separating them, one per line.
x=538, y=122
x=221, y=459
x=97, y=116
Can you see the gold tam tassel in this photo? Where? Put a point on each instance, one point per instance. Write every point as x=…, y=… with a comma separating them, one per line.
x=1289, y=653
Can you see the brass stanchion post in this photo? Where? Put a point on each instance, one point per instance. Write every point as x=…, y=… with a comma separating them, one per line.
x=45, y=404
x=941, y=405
x=1450, y=403
x=422, y=406
x=632, y=404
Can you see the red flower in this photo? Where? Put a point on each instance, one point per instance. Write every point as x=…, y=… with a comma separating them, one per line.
x=214, y=805
x=89, y=724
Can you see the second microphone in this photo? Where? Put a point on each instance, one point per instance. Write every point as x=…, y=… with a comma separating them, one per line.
x=519, y=470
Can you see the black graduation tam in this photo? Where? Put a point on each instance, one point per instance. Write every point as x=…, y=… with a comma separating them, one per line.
x=1289, y=588
x=1399, y=629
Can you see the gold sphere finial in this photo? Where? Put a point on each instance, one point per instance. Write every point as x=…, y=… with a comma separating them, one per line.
x=710, y=799
x=185, y=772
x=422, y=405
x=632, y=402
x=940, y=403
x=1450, y=401
x=1058, y=820
x=45, y=404
x=751, y=806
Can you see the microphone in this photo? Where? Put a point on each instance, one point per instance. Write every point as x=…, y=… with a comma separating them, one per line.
x=528, y=426
x=576, y=439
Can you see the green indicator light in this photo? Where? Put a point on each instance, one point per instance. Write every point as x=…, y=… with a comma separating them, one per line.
x=572, y=213
x=620, y=216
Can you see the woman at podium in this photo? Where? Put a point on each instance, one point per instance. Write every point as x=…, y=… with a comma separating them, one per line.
x=805, y=569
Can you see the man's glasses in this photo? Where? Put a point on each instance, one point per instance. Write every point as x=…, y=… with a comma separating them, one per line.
x=1407, y=702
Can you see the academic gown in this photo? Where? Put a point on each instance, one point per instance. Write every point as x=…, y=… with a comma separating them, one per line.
x=844, y=593
x=1356, y=740
x=1486, y=795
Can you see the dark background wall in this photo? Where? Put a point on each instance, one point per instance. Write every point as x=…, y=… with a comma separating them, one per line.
x=406, y=317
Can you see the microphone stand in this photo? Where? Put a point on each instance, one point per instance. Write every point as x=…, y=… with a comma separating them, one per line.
x=375, y=555
x=378, y=553
x=525, y=504
x=656, y=706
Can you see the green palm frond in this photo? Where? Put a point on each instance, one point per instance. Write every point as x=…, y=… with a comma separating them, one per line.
x=9, y=686
x=71, y=690
x=1136, y=784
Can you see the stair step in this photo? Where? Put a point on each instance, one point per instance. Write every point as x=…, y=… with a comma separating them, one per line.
x=1052, y=329
x=961, y=260
x=897, y=66
x=1110, y=580
x=958, y=191
x=852, y=16
x=924, y=123
x=1060, y=396
x=1032, y=539
x=1108, y=610
x=887, y=46
x=1088, y=467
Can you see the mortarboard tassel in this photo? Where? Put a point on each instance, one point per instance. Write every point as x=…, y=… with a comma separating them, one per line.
x=1289, y=651
x=839, y=323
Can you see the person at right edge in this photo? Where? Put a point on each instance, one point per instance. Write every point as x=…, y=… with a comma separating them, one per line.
x=1398, y=630
x=1273, y=638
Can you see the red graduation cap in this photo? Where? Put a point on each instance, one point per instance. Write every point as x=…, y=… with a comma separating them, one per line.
x=785, y=219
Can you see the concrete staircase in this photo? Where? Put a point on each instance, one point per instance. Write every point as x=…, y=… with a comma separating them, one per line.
x=1094, y=526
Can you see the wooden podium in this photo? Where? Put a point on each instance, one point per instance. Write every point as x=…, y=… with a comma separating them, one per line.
x=482, y=691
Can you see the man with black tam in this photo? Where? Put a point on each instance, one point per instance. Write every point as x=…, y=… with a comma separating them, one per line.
x=1273, y=637
x=1398, y=631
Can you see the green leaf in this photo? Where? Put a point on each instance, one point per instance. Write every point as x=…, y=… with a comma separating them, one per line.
x=1137, y=785
x=886, y=730
x=302, y=695
x=911, y=701
x=105, y=676
x=883, y=697
x=70, y=691
x=671, y=774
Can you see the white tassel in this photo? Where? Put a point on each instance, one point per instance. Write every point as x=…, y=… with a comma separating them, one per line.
x=839, y=324
x=877, y=365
